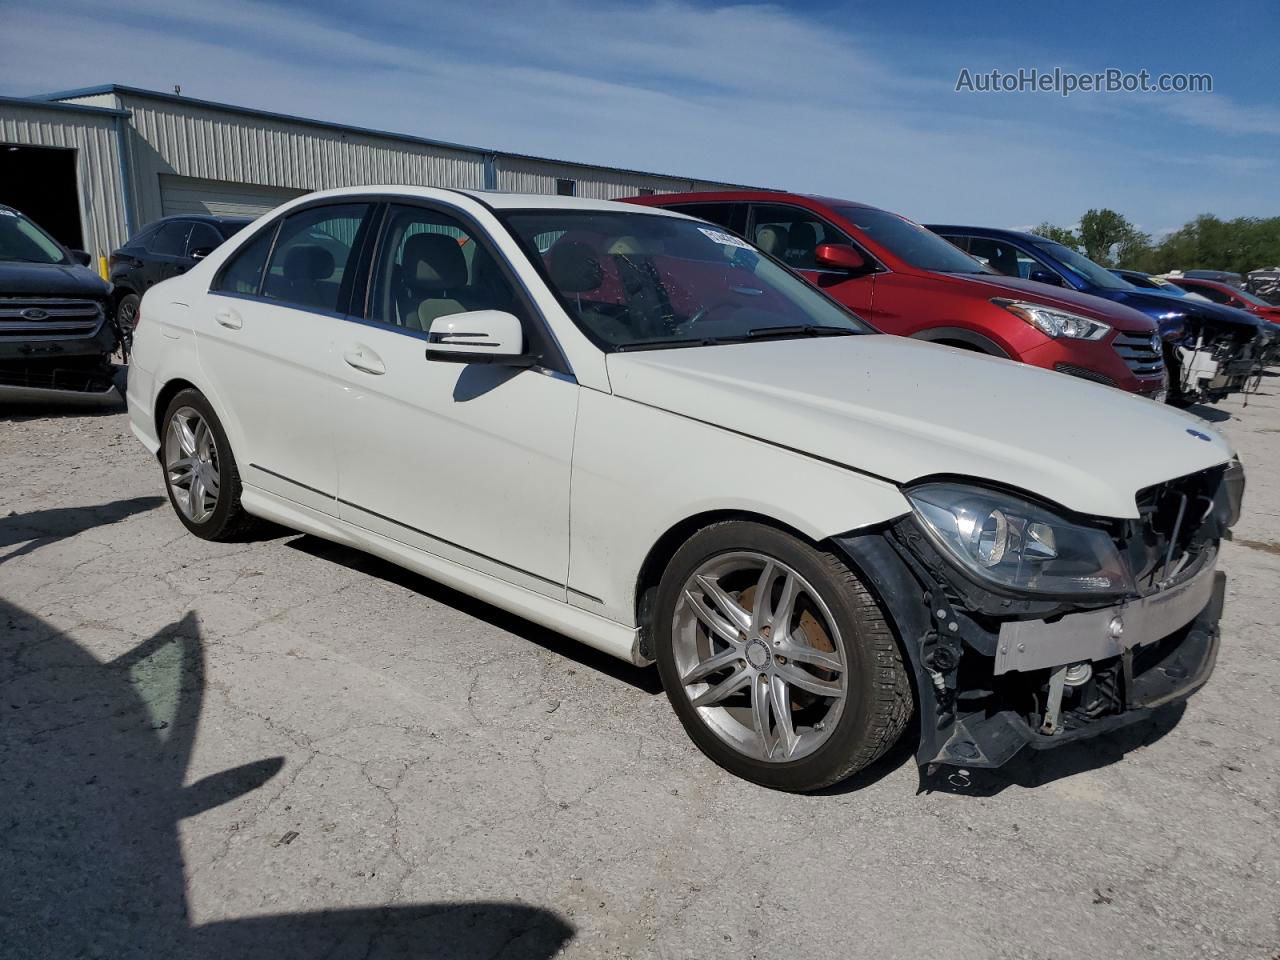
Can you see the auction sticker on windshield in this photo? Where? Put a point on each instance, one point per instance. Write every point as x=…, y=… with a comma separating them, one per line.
x=727, y=239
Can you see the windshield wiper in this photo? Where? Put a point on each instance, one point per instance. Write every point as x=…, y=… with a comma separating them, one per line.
x=673, y=343
x=801, y=330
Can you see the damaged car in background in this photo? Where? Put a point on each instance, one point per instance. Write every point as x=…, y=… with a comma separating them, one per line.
x=57, y=334
x=815, y=530
x=1210, y=350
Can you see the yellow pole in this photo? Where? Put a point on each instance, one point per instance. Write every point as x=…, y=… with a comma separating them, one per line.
x=102, y=268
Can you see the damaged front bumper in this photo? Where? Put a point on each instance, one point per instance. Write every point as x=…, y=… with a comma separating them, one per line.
x=994, y=675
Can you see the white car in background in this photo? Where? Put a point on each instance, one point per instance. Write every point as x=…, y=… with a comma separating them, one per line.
x=637, y=429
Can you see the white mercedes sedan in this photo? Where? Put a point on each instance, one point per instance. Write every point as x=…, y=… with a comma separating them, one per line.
x=637, y=429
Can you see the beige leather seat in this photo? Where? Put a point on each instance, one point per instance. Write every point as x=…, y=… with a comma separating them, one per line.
x=433, y=278
x=772, y=240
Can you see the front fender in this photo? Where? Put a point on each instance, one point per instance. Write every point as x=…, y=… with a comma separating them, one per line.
x=639, y=472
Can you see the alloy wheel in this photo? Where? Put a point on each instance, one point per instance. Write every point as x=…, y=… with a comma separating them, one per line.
x=191, y=464
x=759, y=656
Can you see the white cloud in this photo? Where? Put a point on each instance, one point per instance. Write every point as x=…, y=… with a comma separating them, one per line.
x=745, y=93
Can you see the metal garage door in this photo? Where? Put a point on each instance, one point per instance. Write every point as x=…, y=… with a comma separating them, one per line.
x=190, y=195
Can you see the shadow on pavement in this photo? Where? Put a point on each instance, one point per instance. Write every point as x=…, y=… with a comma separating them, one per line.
x=1212, y=414
x=1034, y=768
x=642, y=678
x=41, y=527
x=93, y=757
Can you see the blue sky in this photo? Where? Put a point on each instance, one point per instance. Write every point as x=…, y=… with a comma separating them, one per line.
x=850, y=99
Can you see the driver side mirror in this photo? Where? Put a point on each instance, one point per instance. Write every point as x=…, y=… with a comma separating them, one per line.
x=479, y=336
x=839, y=256
x=1044, y=276
x=81, y=257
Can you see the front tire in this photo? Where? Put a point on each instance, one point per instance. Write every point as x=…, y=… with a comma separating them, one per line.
x=200, y=472
x=776, y=659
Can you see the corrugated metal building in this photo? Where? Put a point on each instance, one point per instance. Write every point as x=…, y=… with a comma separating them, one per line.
x=94, y=165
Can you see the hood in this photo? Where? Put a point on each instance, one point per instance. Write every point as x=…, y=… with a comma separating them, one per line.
x=998, y=285
x=903, y=409
x=1153, y=303
x=19, y=279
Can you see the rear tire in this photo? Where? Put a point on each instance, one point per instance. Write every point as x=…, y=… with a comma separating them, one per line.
x=200, y=473
x=833, y=692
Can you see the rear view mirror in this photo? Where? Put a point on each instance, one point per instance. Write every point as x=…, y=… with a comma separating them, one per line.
x=839, y=256
x=1044, y=276
x=81, y=257
x=478, y=336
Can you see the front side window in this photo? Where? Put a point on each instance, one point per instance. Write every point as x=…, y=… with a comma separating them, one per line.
x=792, y=234
x=643, y=281
x=22, y=240
x=1211, y=293
x=171, y=239
x=430, y=266
x=910, y=242
x=1092, y=273
x=202, y=237
x=311, y=255
x=1004, y=257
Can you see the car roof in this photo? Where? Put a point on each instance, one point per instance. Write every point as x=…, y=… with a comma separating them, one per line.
x=747, y=196
x=995, y=233
x=492, y=199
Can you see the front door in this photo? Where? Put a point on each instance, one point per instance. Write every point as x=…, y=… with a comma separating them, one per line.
x=466, y=461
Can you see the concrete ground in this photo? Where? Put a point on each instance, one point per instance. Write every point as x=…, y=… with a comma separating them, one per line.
x=287, y=749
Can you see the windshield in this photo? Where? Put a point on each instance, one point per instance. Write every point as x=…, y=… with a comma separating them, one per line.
x=908, y=241
x=20, y=239
x=638, y=281
x=1097, y=275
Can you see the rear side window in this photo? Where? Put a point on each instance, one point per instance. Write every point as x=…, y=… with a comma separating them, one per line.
x=171, y=239
x=312, y=254
x=243, y=272
x=731, y=215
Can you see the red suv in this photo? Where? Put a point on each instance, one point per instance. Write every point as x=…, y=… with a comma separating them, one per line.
x=906, y=280
x=1230, y=296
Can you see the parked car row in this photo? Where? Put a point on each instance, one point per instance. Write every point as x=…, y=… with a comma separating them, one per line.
x=640, y=429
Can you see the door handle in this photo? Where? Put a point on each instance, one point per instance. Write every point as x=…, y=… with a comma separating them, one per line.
x=229, y=319
x=364, y=359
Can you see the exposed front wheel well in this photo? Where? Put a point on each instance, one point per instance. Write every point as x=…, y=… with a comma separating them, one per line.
x=665, y=548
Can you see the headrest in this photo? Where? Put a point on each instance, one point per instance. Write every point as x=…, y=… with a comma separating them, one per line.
x=308, y=261
x=574, y=267
x=434, y=261
x=802, y=236
x=772, y=240
x=633, y=247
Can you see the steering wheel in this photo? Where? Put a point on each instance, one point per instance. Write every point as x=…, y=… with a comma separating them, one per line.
x=699, y=316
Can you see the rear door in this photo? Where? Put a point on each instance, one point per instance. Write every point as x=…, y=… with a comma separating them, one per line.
x=791, y=234
x=267, y=337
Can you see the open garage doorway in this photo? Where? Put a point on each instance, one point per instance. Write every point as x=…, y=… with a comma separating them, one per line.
x=41, y=182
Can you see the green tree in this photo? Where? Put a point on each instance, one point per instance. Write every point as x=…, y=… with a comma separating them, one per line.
x=1108, y=237
x=1063, y=235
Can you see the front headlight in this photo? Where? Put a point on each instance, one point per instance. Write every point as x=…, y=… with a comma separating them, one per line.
x=1018, y=545
x=1058, y=324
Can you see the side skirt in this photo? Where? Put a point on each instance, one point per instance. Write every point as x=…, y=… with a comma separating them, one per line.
x=603, y=634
